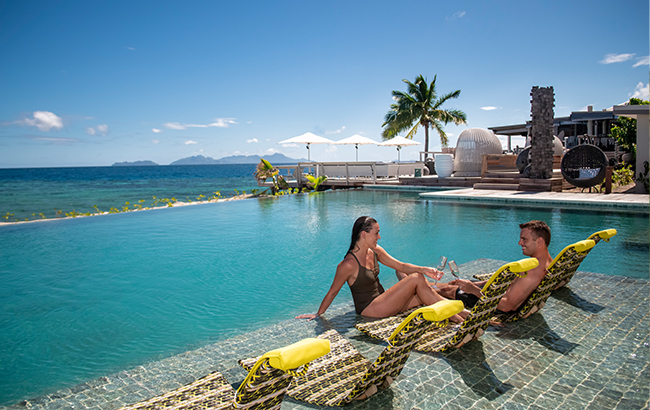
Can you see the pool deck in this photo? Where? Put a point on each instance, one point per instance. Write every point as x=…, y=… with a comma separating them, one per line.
x=588, y=348
x=613, y=201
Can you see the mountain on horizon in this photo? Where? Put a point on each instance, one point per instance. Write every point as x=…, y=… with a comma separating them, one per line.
x=237, y=159
x=134, y=164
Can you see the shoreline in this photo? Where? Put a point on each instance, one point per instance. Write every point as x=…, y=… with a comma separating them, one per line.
x=175, y=204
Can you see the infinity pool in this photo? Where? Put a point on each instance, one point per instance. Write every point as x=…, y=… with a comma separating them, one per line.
x=91, y=296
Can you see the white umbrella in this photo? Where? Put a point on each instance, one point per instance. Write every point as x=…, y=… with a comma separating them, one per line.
x=307, y=138
x=356, y=140
x=398, y=142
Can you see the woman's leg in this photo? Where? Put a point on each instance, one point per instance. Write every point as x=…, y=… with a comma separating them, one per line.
x=409, y=292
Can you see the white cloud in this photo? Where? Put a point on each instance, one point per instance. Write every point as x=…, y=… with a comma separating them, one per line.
x=44, y=121
x=642, y=61
x=174, y=126
x=155, y=141
x=616, y=58
x=340, y=130
x=190, y=142
x=490, y=108
x=252, y=140
x=218, y=122
x=456, y=15
x=270, y=151
x=130, y=48
x=156, y=130
x=641, y=91
x=99, y=130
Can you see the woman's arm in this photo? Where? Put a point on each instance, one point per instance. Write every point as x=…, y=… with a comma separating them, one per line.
x=343, y=272
x=404, y=267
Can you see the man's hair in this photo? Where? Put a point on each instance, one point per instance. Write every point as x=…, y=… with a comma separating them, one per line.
x=539, y=229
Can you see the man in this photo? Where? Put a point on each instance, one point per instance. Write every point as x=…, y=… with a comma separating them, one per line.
x=534, y=238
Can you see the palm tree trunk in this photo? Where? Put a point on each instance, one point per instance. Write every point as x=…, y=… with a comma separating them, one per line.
x=426, y=141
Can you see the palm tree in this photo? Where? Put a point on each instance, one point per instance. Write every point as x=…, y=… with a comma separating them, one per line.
x=420, y=105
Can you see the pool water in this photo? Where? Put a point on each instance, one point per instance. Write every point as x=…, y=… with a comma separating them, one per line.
x=87, y=297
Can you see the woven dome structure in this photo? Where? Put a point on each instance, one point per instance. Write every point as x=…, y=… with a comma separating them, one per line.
x=472, y=144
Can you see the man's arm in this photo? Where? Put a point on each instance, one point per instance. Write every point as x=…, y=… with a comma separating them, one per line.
x=520, y=289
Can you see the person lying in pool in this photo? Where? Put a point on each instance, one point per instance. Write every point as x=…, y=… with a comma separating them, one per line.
x=360, y=269
x=534, y=238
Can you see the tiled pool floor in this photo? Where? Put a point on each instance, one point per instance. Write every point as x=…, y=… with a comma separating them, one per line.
x=587, y=349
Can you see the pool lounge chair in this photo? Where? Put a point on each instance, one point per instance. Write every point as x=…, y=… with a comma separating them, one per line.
x=473, y=326
x=564, y=265
x=263, y=388
x=345, y=375
x=604, y=235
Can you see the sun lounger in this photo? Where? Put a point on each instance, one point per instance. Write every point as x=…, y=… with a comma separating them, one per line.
x=476, y=322
x=263, y=388
x=605, y=235
x=345, y=375
x=565, y=264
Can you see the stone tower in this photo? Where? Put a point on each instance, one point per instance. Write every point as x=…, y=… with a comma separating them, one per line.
x=541, y=132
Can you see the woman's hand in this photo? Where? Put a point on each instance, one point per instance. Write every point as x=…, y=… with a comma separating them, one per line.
x=433, y=273
x=308, y=316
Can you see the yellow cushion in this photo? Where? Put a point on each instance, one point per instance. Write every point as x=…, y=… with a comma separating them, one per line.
x=584, y=245
x=297, y=354
x=523, y=265
x=437, y=312
x=606, y=234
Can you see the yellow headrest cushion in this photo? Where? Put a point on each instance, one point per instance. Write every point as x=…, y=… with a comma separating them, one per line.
x=584, y=245
x=519, y=266
x=606, y=234
x=437, y=312
x=523, y=265
x=297, y=354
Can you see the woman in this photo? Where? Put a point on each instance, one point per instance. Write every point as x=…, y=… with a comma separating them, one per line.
x=360, y=269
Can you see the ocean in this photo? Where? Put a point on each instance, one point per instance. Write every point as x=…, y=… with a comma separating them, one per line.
x=38, y=193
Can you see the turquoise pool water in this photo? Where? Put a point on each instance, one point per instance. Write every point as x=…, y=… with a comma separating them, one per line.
x=86, y=297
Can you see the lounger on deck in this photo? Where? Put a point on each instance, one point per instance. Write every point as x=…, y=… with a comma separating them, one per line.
x=476, y=322
x=596, y=237
x=344, y=374
x=263, y=388
x=564, y=265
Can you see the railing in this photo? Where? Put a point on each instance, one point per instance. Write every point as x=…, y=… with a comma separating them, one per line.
x=347, y=173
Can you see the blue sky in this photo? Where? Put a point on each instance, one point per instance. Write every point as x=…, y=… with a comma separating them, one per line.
x=90, y=83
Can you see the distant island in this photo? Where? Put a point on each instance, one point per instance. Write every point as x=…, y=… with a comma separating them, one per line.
x=234, y=159
x=134, y=164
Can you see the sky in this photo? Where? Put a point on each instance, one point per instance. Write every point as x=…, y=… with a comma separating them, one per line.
x=91, y=83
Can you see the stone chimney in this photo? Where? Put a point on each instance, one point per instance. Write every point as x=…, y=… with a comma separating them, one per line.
x=541, y=132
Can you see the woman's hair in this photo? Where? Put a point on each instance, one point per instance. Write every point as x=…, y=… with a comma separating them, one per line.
x=363, y=223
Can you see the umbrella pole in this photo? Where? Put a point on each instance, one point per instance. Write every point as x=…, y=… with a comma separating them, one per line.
x=357, y=147
x=308, y=154
x=398, y=158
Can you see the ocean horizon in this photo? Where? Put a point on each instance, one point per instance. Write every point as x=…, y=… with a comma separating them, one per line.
x=56, y=192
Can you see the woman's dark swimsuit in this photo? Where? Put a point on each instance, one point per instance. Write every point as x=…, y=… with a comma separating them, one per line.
x=366, y=287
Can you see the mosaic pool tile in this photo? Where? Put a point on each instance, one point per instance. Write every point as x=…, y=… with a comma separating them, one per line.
x=588, y=348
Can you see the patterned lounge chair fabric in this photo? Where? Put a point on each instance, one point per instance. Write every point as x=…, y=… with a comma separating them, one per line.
x=564, y=265
x=605, y=235
x=473, y=326
x=345, y=375
x=263, y=388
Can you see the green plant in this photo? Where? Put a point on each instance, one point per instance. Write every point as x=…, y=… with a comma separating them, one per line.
x=265, y=171
x=623, y=176
x=644, y=178
x=315, y=183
